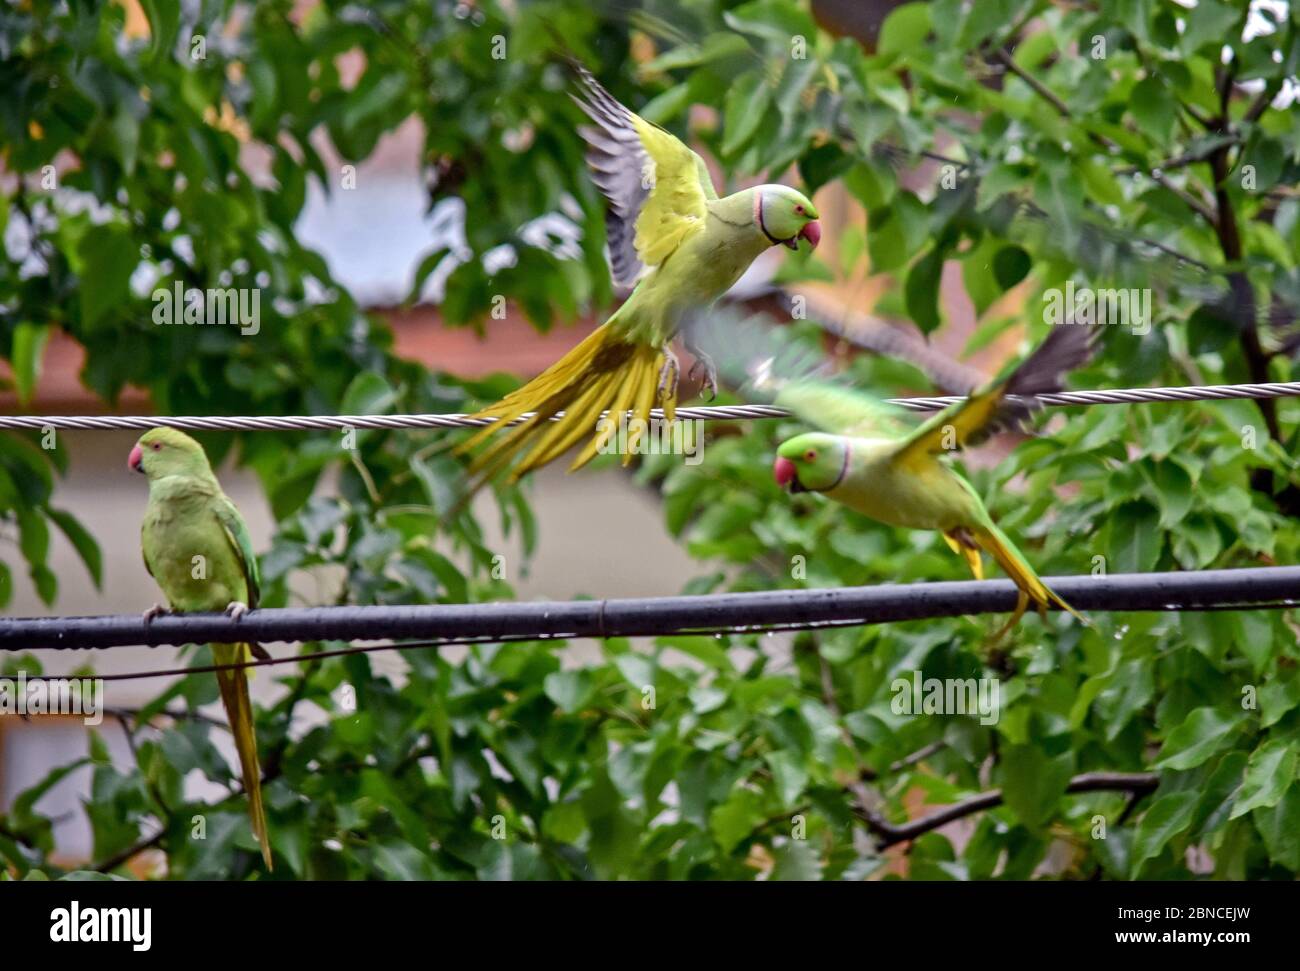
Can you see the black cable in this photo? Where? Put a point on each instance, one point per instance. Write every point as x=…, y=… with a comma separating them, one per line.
x=652, y=616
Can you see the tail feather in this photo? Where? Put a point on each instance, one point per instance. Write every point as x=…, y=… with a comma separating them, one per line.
x=604, y=373
x=1014, y=565
x=963, y=544
x=627, y=388
x=239, y=710
x=552, y=438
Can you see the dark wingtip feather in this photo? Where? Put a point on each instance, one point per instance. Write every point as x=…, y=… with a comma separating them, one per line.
x=1069, y=346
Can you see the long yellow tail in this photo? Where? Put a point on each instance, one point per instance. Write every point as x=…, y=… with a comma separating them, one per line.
x=605, y=373
x=239, y=709
x=1014, y=565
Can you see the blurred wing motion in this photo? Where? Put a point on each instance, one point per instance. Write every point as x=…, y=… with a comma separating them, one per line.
x=772, y=365
x=1008, y=400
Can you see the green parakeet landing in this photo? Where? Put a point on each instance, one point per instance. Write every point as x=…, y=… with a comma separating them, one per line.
x=681, y=246
x=197, y=548
x=867, y=457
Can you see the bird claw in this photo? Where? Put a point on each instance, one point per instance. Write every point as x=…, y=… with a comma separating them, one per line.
x=708, y=378
x=668, y=375
x=236, y=609
x=154, y=612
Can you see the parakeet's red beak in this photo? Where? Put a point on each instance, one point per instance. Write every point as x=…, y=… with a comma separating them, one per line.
x=812, y=232
x=135, y=460
x=783, y=471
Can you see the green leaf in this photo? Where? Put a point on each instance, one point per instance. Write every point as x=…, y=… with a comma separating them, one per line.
x=1033, y=783
x=796, y=860
x=1269, y=773
x=1171, y=487
x=736, y=818
x=789, y=773
x=1153, y=108
x=1011, y=264
x=1278, y=697
x=666, y=106
x=367, y=394
x=570, y=690
x=1209, y=23
x=1135, y=540
x=773, y=20
x=1279, y=825
x=747, y=102
x=164, y=24
x=28, y=350
x=977, y=275
x=905, y=28
x=896, y=232
x=109, y=257
x=922, y=290
x=1202, y=734
x=81, y=541
x=1169, y=816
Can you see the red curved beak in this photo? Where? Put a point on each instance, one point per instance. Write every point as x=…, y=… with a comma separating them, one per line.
x=783, y=471
x=135, y=461
x=812, y=232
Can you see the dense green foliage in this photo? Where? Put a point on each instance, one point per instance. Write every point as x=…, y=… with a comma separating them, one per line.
x=746, y=745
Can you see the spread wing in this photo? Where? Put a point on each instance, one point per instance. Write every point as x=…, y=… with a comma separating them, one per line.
x=840, y=410
x=657, y=188
x=989, y=411
x=232, y=523
x=773, y=364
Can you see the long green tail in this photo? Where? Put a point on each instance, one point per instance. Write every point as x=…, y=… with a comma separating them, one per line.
x=1015, y=566
x=239, y=709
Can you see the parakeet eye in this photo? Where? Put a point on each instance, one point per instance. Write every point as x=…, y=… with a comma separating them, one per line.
x=810, y=455
x=157, y=446
x=799, y=209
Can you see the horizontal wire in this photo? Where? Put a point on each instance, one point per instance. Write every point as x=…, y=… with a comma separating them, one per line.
x=732, y=613
x=1118, y=396
x=437, y=643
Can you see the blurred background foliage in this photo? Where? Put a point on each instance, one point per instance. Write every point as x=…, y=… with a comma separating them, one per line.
x=1054, y=140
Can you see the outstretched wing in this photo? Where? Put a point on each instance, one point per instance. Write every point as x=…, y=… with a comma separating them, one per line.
x=774, y=365
x=657, y=187
x=841, y=411
x=989, y=411
x=232, y=523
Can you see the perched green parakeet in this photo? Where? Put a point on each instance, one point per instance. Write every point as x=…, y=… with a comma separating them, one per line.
x=681, y=246
x=869, y=458
x=196, y=546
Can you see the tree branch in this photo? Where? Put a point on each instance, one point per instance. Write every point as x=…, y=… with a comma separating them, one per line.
x=1139, y=784
x=1042, y=90
x=124, y=856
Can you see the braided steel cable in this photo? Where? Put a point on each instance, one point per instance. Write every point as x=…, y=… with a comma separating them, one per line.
x=1118, y=396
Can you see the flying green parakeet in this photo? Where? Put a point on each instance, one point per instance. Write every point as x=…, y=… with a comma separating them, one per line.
x=868, y=457
x=681, y=246
x=873, y=464
x=196, y=547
